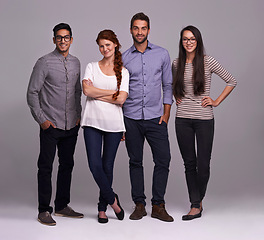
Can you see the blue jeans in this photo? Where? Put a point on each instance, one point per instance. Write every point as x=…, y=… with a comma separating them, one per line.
x=101, y=163
x=157, y=136
x=196, y=162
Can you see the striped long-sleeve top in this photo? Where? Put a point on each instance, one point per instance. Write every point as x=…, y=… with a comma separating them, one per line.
x=190, y=107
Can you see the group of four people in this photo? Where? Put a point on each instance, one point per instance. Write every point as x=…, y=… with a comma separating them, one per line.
x=129, y=93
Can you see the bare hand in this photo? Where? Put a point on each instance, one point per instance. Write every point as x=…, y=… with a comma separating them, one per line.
x=164, y=118
x=178, y=101
x=88, y=82
x=78, y=122
x=207, y=101
x=86, y=85
x=123, y=137
x=46, y=125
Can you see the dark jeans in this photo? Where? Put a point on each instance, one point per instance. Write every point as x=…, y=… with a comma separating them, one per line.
x=101, y=163
x=157, y=136
x=196, y=162
x=65, y=141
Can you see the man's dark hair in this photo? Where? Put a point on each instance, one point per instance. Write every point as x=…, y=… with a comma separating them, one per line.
x=139, y=16
x=61, y=26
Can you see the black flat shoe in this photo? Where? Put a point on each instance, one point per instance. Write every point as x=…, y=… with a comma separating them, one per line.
x=121, y=214
x=102, y=220
x=191, y=217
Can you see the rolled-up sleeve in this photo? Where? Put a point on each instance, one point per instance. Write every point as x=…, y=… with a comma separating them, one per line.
x=78, y=93
x=167, y=80
x=36, y=82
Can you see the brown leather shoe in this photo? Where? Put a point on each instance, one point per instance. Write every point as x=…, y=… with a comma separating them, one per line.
x=159, y=212
x=46, y=218
x=68, y=212
x=139, y=212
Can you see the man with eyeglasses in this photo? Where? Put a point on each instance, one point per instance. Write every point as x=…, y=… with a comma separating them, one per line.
x=54, y=98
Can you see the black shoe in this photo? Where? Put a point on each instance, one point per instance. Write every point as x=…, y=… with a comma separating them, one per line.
x=191, y=217
x=121, y=214
x=102, y=220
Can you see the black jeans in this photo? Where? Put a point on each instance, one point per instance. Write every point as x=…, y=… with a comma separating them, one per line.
x=157, y=136
x=196, y=162
x=101, y=148
x=65, y=141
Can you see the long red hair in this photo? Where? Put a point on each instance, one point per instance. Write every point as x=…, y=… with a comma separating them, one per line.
x=118, y=63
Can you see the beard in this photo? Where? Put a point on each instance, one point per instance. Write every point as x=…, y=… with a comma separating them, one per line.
x=62, y=50
x=139, y=42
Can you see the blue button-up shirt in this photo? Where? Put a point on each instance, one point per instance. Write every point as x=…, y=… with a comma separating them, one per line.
x=150, y=77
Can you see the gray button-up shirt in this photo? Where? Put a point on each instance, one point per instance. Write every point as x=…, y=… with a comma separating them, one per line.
x=54, y=90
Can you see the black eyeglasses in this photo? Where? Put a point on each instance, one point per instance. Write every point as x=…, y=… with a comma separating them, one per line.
x=185, y=40
x=66, y=38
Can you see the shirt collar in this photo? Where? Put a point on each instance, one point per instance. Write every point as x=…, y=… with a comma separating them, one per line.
x=149, y=46
x=60, y=56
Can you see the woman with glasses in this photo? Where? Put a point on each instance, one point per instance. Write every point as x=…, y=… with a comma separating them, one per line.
x=192, y=72
x=106, y=86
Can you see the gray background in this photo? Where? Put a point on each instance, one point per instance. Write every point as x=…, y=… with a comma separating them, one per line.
x=233, y=33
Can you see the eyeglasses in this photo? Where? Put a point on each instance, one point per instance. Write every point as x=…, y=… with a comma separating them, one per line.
x=66, y=38
x=185, y=40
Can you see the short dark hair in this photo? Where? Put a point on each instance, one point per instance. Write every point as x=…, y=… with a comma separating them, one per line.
x=62, y=26
x=139, y=16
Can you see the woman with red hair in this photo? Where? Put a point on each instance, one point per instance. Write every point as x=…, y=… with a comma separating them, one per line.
x=105, y=84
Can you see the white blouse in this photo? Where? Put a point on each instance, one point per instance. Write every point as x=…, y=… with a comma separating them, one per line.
x=105, y=116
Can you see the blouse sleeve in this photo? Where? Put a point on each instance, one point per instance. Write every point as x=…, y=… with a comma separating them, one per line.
x=217, y=68
x=125, y=81
x=88, y=74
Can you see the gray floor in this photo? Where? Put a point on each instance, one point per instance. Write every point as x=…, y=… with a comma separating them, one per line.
x=231, y=220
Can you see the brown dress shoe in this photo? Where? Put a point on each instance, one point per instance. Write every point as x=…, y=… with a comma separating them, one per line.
x=46, y=218
x=68, y=212
x=159, y=212
x=139, y=212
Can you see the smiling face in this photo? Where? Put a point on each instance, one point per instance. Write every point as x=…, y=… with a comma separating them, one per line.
x=140, y=31
x=107, y=48
x=62, y=41
x=189, y=42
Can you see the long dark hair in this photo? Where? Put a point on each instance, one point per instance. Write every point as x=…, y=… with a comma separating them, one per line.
x=198, y=66
x=118, y=64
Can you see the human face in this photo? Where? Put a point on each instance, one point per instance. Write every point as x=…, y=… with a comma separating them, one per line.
x=61, y=45
x=189, y=42
x=107, y=48
x=140, y=31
